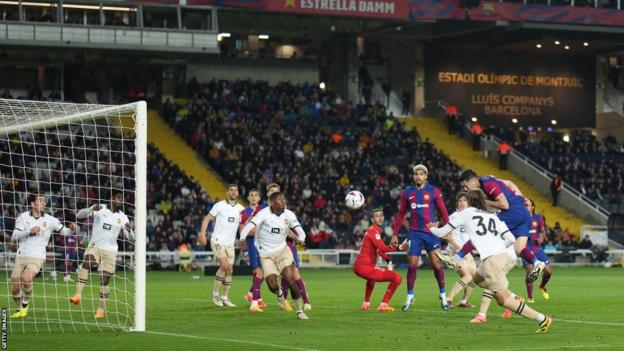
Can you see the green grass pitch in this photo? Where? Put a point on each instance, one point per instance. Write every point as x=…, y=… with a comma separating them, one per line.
x=586, y=304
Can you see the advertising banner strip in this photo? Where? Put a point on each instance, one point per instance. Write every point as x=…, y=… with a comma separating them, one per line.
x=392, y=9
x=405, y=10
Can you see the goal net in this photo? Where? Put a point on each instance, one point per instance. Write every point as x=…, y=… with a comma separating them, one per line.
x=77, y=156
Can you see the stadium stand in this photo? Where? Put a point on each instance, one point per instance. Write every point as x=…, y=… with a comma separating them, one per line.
x=592, y=166
x=305, y=139
x=176, y=202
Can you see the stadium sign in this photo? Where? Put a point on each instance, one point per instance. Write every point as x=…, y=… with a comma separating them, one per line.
x=358, y=8
x=533, y=89
x=406, y=10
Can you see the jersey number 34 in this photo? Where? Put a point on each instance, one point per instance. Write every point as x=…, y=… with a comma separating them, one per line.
x=491, y=227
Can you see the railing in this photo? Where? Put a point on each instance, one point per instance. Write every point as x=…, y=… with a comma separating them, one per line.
x=547, y=176
x=574, y=3
x=601, y=214
x=614, y=99
x=54, y=34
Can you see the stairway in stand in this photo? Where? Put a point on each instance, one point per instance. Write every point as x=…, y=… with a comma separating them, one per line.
x=179, y=152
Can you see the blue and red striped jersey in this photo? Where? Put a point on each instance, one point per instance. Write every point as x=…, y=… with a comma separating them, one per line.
x=422, y=204
x=493, y=187
x=537, y=226
x=249, y=212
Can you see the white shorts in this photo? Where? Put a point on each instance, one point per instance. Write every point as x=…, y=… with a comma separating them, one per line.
x=274, y=263
x=32, y=264
x=223, y=251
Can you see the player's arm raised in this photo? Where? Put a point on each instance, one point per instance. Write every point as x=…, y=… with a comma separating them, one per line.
x=88, y=212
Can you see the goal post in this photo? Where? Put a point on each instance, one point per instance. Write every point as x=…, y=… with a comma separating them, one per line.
x=77, y=155
x=140, y=217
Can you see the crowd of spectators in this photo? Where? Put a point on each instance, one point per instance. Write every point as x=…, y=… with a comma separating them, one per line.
x=558, y=238
x=75, y=177
x=76, y=166
x=594, y=167
x=177, y=202
x=312, y=143
x=562, y=239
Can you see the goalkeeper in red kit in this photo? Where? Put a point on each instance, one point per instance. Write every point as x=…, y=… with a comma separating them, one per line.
x=365, y=268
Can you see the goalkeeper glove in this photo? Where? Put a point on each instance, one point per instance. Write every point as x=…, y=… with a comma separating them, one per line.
x=390, y=265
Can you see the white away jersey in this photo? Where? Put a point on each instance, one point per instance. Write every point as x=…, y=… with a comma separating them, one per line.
x=227, y=219
x=35, y=245
x=107, y=225
x=272, y=230
x=459, y=233
x=484, y=230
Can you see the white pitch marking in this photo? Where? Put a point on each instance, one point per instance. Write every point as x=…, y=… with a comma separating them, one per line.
x=229, y=340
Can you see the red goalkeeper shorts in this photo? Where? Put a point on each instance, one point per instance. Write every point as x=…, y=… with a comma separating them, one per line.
x=377, y=274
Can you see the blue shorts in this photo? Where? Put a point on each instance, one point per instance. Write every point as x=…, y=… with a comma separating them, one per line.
x=252, y=251
x=293, y=249
x=71, y=255
x=540, y=255
x=518, y=221
x=418, y=238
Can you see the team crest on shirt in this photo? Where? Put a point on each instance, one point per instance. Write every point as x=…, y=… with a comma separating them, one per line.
x=45, y=224
x=231, y=219
x=118, y=220
x=413, y=205
x=426, y=197
x=377, y=236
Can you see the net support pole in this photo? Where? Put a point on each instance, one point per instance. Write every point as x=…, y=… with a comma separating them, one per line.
x=140, y=215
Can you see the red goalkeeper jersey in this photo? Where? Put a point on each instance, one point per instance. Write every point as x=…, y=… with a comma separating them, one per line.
x=372, y=245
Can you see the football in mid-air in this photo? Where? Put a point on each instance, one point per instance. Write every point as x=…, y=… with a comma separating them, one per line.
x=354, y=199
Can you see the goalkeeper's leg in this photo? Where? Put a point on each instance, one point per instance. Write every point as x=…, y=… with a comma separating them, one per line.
x=395, y=281
x=373, y=274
